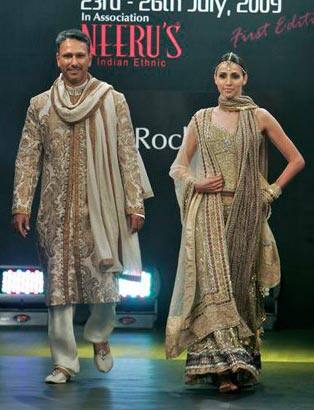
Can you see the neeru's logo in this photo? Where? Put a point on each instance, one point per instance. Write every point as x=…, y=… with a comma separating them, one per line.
x=134, y=40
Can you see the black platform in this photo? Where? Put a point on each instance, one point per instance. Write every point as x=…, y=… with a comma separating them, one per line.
x=135, y=383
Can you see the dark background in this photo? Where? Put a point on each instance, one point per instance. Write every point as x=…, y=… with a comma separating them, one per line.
x=280, y=79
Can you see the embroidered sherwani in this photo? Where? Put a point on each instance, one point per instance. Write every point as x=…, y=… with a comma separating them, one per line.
x=65, y=153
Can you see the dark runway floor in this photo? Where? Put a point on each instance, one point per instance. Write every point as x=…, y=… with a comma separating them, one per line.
x=143, y=380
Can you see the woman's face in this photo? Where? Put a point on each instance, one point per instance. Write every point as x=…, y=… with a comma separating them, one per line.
x=229, y=79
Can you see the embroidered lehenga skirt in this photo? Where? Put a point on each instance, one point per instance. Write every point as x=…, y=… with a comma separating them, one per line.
x=222, y=351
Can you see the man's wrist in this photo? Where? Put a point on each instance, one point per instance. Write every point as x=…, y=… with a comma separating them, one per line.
x=135, y=211
x=20, y=212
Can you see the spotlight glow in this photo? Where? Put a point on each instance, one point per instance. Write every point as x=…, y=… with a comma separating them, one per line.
x=133, y=289
x=28, y=282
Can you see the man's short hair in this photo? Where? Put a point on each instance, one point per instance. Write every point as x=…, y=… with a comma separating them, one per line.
x=72, y=33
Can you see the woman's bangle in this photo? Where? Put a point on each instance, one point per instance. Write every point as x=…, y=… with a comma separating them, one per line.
x=274, y=190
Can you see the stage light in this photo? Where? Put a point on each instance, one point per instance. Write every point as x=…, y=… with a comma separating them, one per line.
x=28, y=282
x=138, y=307
x=135, y=288
x=22, y=299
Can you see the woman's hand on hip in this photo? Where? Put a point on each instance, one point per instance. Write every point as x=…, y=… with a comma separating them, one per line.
x=210, y=185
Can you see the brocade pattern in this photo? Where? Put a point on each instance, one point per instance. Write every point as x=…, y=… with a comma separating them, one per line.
x=66, y=247
x=223, y=146
x=222, y=350
x=128, y=159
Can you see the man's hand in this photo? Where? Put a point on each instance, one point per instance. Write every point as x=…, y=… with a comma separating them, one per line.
x=20, y=224
x=136, y=223
x=210, y=185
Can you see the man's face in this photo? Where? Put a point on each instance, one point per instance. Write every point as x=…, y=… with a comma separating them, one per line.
x=74, y=60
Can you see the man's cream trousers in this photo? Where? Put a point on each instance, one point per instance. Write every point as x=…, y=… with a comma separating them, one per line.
x=61, y=333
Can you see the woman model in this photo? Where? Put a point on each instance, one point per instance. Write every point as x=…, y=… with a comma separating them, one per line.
x=228, y=258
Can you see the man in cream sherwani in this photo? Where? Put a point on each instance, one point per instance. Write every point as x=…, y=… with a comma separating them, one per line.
x=78, y=136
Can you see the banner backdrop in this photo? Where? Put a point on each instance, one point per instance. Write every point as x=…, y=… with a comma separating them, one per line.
x=162, y=54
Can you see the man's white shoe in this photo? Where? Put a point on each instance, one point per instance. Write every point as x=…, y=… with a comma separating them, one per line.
x=58, y=376
x=102, y=357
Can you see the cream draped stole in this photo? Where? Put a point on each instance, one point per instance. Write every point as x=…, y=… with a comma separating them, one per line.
x=105, y=195
x=231, y=250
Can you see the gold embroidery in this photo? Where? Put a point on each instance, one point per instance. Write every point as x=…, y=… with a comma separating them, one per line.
x=128, y=160
x=66, y=243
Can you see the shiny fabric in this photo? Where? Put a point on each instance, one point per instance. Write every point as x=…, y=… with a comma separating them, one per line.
x=58, y=149
x=222, y=350
x=217, y=304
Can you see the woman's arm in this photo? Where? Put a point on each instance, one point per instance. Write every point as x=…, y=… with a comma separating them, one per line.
x=271, y=127
x=180, y=167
